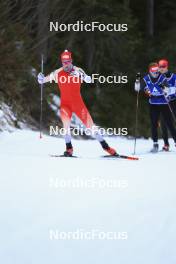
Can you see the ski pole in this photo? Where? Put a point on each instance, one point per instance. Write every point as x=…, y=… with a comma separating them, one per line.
x=170, y=108
x=168, y=103
x=136, y=115
x=41, y=99
x=136, y=123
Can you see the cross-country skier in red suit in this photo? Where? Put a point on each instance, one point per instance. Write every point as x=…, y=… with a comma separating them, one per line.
x=69, y=78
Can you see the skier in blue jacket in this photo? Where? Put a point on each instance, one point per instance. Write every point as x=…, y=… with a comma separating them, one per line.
x=154, y=85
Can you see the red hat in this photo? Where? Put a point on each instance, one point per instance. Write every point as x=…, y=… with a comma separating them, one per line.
x=66, y=56
x=163, y=63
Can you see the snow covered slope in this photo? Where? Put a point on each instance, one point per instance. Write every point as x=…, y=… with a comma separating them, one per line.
x=9, y=120
x=42, y=196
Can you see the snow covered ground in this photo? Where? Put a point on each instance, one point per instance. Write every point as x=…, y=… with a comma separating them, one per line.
x=42, y=196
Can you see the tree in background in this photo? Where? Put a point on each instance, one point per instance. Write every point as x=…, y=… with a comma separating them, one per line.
x=24, y=35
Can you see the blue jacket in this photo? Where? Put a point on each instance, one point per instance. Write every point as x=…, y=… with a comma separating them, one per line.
x=171, y=80
x=154, y=85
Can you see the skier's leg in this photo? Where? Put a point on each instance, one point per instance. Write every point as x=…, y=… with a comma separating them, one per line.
x=164, y=132
x=169, y=121
x=154, y=117
x=65, y=114
x=173, y=106
x=82, y=112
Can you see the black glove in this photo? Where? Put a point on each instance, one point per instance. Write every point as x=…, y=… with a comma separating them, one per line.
x=138, y=76
x=163, y=86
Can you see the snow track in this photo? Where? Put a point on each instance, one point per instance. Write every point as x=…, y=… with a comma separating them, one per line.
x=40, y=194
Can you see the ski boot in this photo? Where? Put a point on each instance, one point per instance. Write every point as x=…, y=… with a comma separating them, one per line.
x=69, y=150
x=106, y=147
x=165, y=147
x=155, y=148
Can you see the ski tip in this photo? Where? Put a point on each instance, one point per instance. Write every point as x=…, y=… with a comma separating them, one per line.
x=118, y=156
x=133, y=158
x=128, y=157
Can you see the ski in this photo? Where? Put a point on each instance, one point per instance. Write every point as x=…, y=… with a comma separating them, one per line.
x=63, y=156
x=105, y=156
x=118, y=156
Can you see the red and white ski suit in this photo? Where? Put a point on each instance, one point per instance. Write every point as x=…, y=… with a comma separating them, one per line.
x=70, y=95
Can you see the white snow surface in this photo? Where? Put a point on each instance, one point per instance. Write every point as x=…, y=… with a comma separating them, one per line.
x=32, y=206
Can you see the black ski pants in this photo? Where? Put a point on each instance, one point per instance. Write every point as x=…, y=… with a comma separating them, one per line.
x=163, y=111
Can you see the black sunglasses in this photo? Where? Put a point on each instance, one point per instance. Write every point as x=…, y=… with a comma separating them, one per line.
x=162, y=66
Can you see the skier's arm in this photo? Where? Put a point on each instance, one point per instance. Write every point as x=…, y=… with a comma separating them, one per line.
x=81, y=74
x=165, y=83
x=167, y=89
x=145, y=89
x=53, y=76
